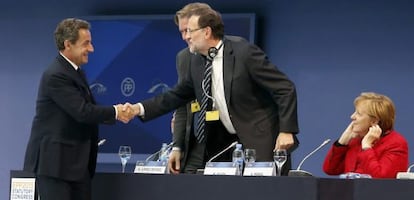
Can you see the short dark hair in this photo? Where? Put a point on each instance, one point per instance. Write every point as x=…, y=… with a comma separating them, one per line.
x=187, y=9
x=68, y=29
x=210, y=18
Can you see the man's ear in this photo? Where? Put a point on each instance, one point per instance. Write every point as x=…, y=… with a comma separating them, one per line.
x=208, y=32
x=67, y=44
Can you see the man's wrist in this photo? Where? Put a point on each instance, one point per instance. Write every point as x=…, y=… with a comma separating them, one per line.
x=116, y=112
x=141, y=109
x=176, y=149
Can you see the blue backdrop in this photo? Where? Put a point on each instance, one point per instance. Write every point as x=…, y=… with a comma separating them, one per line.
x=332, y=50
x=134, y=59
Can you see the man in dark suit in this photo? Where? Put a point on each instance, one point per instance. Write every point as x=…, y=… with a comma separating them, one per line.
x=253, y=102
x=62, y=148
x=187, y=155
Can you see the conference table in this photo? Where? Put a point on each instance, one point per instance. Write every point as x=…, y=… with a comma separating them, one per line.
x=119, y=186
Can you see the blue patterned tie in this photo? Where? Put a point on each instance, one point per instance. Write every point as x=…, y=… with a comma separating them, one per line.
x=206, y=91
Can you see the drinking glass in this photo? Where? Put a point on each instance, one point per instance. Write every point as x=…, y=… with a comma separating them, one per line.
x=280, y=157
x=125, y=154
x=249, y=156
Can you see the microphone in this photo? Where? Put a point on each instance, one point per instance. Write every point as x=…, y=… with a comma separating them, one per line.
x=406, y=175
x=101, y=142
x=224, y=150
x=157, y=152
x=298, y=171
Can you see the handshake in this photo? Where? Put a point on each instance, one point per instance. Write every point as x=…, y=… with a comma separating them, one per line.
x=127, y=111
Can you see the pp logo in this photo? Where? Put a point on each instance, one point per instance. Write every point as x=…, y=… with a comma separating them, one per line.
x=98, y=89
x=128, y=86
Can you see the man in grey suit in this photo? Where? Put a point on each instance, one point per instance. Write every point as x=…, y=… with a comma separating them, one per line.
x=63, y=144
x=256, y=104
x=187, y=155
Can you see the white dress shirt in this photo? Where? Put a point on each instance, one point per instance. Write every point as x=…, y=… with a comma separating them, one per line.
x=217, y=90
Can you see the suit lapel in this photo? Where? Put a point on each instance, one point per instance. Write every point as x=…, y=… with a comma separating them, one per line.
x=78, y=79
x=85, y=86
x=228, y=69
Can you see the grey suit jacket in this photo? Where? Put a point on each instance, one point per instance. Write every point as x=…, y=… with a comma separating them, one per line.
x=183, y=116
x=261, y=100
x=63, y=140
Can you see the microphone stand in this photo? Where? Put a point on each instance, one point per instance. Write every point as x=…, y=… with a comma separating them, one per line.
x=298, y=171
x=157, y=152
x=221, y=152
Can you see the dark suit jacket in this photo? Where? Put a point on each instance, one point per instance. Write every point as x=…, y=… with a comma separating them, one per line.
x=261, y=99
x=63, y=140
x=183, y=122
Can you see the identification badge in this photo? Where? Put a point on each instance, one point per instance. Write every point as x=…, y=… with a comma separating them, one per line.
x=22, y=188
x=195, y=107
x=212, y=115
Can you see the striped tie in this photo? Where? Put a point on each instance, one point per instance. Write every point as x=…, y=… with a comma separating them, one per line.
x=206, y=91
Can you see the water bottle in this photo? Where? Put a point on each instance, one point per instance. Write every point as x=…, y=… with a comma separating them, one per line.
x=238, y=159
x=163, y=155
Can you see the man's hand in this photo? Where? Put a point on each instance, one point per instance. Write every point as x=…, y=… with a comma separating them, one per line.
x=284, y=141
x=174, y=161
x=126, y=112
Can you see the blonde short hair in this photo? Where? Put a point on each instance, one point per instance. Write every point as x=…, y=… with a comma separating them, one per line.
x=380, y=107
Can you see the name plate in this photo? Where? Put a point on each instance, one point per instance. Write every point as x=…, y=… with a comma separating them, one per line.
x=220, y=168
x=260, y=169
x=151, y=167
x=22, y=189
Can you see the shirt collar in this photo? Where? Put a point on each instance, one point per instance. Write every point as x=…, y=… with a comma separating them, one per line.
x=220, y=48
x=71, y=63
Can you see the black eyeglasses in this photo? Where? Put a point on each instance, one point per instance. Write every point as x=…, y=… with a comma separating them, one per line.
x=188, y=30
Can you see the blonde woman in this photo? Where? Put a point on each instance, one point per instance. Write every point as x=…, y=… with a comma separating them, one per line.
x=369, y=145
